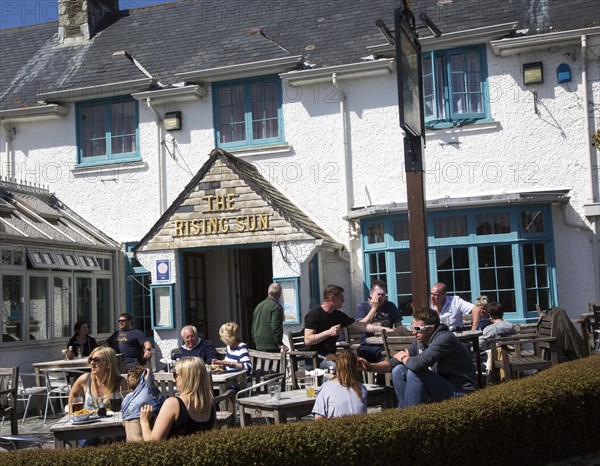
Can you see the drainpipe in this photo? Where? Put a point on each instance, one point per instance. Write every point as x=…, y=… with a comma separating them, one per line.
x=10, y=163
x=347, y=177
x=162, y=198
x=591, y=191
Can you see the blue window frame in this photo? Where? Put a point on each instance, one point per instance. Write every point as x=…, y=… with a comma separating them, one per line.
x=505, y=253
x=455, y=87
x=248, y=112
x=107, y=131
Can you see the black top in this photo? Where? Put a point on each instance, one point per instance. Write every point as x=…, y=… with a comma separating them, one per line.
x=88, y=346
x=130, y=343
x=185, y=425
x=319, y=321
x=204, y=349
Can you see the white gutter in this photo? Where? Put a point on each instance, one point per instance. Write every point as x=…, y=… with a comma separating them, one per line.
x=43, y=112
x=452, y=39
x=162, y=197
x=588, y=144
x=172, y=95
x=516, y=45
x=351, y=71
x=347, y=176
x=96, y=92
x=247, y=70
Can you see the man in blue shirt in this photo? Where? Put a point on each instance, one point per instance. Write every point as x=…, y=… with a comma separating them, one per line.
x=194, y=346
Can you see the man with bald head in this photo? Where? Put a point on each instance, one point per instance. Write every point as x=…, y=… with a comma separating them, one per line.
x=267, y=321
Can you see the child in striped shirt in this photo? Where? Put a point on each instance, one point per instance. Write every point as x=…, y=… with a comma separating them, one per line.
x=236, y=357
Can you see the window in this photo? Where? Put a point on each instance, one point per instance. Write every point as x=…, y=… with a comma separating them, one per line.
x=107, y=131
x=505, y=253
x=455, y=87
x=39, y=306
x=248, y=112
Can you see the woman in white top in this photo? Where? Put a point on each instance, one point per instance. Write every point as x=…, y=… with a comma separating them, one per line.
x=344, y=395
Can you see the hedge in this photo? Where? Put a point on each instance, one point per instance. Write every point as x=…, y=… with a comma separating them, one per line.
x=545, y=417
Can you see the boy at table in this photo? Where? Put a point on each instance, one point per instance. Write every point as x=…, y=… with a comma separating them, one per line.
x=435, y=367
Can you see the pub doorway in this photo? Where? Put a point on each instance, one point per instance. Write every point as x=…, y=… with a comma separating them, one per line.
x=225, y=285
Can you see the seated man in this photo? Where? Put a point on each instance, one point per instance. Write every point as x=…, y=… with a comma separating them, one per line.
x=323, y=325
x=451, y=309
x=194, y=346
x=379, y=310
x=435, y=367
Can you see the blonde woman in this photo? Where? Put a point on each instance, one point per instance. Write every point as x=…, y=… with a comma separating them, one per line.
x=344, y=395
x=483, y=303
x=236, y=356
x=190, y=412
x=99, y=384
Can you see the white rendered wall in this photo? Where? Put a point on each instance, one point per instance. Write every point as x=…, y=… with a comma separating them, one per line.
x=521, y=151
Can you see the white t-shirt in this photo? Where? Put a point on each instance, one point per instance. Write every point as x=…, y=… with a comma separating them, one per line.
x=333, y=400
x=453, y=311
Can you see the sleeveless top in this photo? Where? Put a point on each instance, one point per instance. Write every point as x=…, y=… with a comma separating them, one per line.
x=90, y=402
x=185, y=425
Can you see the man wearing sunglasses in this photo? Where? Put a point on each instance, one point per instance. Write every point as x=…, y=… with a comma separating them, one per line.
x=131, y=343
x=435, y=367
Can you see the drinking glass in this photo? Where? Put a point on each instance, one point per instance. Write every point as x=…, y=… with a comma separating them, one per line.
x=101, y=407
x=79, y=352
x=376, y=328
x=309, y=384
x=76, y=404
x=275, y=390
x=116, y=399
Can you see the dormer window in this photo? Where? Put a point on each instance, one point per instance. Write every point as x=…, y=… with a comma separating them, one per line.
x=107, y=131
x=248, y=112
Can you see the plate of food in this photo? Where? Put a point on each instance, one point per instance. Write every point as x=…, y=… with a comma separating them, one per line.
x=216, y=368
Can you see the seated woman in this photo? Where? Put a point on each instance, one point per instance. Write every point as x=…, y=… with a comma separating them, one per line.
x=498, y=327
x=344, y=395
x=236, y=356
x=98, y=385
x=82, y=339
x=191, y=411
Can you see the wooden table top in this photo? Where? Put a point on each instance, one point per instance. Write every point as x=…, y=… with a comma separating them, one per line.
x=294, y=398
x=65, y=425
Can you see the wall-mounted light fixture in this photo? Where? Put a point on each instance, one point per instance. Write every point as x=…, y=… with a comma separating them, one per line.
x=533, y=73
x=173, y=121
x=563, y=73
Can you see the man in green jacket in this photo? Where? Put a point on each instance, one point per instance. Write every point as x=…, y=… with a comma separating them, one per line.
x=267, y=322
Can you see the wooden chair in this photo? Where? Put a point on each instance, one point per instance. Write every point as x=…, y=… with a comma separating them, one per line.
x=8, y=396
x=266, y=365
x=522, y=352
x=349, y=340
x=165, y=383
x=298, y=353
x=391, y=345
x=594, y=325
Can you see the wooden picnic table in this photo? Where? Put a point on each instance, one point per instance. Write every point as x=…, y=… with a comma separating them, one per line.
x=67, y=432
x=75, y=364
x=295, y=403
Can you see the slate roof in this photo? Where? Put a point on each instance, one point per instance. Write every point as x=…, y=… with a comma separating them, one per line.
x=21, y=207
x=192, y=35
x=250, y=175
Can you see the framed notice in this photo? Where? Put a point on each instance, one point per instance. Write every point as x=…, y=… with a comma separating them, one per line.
x=161, y=306
x=163, y=270
x=290, y=300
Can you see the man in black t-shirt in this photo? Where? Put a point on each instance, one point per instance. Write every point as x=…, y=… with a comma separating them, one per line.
x=323, y=325
x=131, y=343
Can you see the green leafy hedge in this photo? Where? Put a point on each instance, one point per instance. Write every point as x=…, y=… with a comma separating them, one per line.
x=538, y=419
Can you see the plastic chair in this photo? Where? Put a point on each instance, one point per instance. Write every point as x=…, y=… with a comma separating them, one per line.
x=58, y=388
x=8, y=396
x=13, y=442
x=27, y=389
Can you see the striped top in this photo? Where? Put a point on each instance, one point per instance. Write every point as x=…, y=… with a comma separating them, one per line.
x=239, y=354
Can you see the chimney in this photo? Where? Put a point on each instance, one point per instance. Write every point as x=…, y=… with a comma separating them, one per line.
x=78, y=20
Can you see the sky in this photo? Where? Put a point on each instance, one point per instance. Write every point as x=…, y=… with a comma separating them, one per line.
x=16, y=13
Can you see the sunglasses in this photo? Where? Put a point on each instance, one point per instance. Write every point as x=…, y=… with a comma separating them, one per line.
x=419, y=328
x=95, y=360
x=122, y=321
